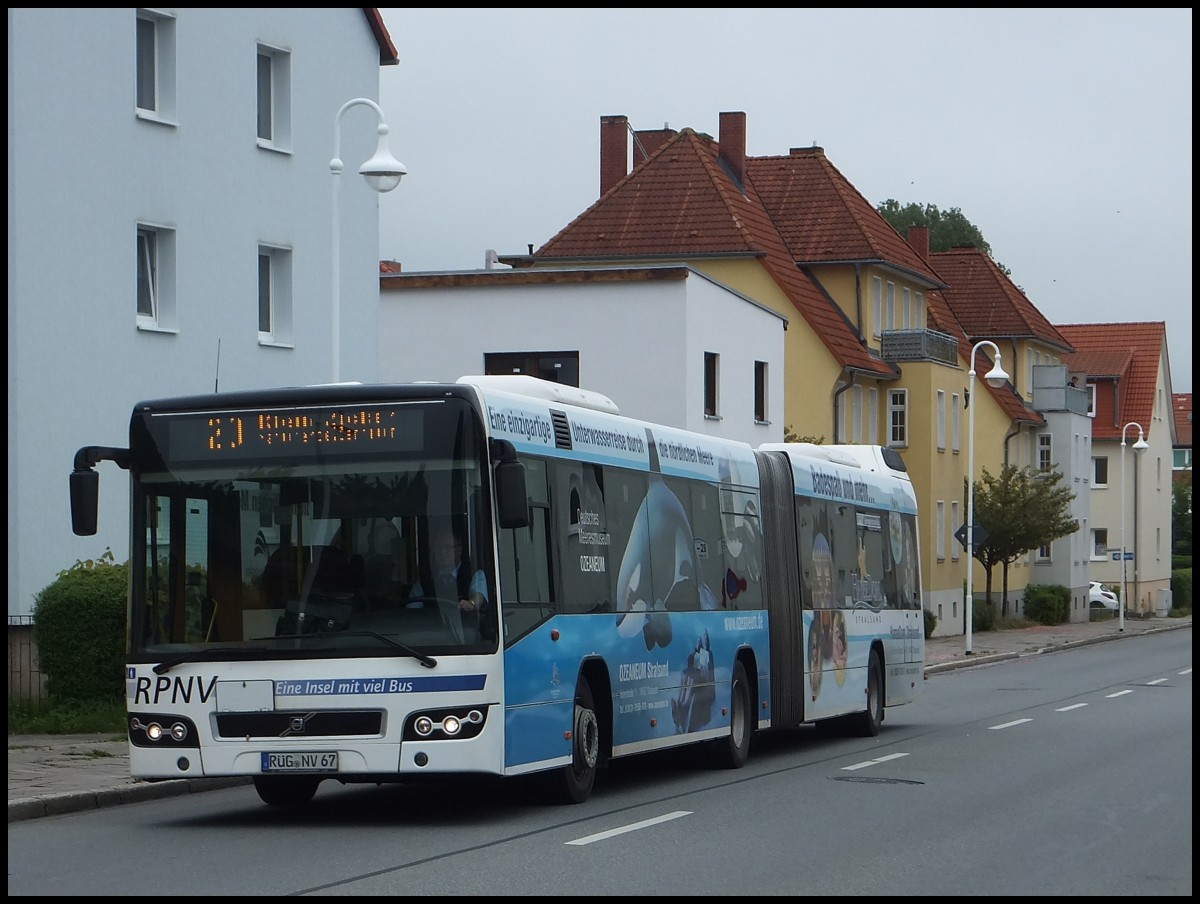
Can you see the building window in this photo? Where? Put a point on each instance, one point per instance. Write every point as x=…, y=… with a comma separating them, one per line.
x=955, y=422
x=154, y=88
x=941, y=420
x=712, y=372
x=940, y=539
x=1100, y=471
x=556, y=367
x=918, y=311
x=906, y=306
x=1181, y=460
x=274, y=98
x=877, y=305
x=1099, y=543
x=954, y=519
x=890, y=317
x=873, y=416
x=856, y=427
x=155, y=278
x=760, y=392
x=898, y=417
x=1091, y=396
x=274, y=296
x=1045, y=457
x=1043, y=554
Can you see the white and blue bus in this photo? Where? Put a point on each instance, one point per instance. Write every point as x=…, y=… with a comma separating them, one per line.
x=629, y=586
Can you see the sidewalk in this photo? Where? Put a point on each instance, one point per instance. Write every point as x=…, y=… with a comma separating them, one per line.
x=53, y=774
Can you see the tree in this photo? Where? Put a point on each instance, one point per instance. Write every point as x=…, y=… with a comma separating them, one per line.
x=947, y=229
x=1181, y=515
x=1022, y=509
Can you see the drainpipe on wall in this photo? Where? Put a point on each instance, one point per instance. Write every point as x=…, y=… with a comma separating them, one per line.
x=842, y=388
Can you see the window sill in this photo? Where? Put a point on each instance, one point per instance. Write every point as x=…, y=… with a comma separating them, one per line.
x=156, y=328
x=267, y=342
x=761, y=423
x=712, y=417
x=266, y=145
x=152, y=116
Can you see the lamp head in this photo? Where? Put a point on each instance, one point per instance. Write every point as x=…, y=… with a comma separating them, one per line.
x=1141, y=442
x=383, y=171
x=996, y=377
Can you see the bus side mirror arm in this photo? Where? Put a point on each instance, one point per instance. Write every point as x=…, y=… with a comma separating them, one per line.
x=512, y=497
x=85, y=485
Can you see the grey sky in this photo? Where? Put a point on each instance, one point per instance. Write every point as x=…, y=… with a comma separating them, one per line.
x=1064, y=135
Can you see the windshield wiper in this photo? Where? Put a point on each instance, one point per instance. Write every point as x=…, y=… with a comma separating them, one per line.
x=197, y=655
x=428, y=661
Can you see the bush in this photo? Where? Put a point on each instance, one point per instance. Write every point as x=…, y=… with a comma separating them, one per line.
x=1181, y=589
x=983, y=616
x=930, y=623
x=79, y=628
x=1047, y=604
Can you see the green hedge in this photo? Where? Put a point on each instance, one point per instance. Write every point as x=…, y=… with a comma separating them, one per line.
x=1047, y=604
x=1181, y=589
x=79, y=628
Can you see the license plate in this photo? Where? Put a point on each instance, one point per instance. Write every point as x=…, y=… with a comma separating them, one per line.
x=320, y=761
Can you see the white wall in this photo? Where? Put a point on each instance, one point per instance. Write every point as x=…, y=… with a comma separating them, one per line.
x=641, y=343
x=83, y=170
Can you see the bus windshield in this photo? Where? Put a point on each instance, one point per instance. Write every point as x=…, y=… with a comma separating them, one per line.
x=317, y=532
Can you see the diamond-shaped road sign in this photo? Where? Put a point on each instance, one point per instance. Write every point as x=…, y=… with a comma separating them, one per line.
x=979, y=536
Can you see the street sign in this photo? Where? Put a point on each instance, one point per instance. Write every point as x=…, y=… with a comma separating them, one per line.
x=979, y=535
x=1129, y=555
x=1116, y=556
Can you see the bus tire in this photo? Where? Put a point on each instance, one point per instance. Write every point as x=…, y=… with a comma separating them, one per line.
x=281, y=791
x=733, y=751
x=572, y=784
x=866, y=724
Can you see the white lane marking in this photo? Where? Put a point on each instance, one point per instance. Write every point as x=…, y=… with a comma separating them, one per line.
x=1158, y=681
x=875, y=762
x=633, y=827
x=1184, y=672
x=1118, y=694
x=1067, y=709
x=1009, y=724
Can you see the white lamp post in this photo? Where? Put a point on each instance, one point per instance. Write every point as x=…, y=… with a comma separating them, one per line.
x=1138, y=446
x=996, y=377
x=382, y=172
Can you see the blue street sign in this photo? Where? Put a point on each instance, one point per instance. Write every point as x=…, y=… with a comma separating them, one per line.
x=1129, y=555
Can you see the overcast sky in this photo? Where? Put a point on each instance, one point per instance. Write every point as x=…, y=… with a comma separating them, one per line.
x=1065, y=136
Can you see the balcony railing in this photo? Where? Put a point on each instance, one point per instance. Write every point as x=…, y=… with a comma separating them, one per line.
x=919, y=345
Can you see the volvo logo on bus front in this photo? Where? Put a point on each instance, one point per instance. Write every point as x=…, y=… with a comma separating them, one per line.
x=296, y=725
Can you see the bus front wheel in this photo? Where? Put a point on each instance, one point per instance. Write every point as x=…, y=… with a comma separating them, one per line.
x=572, y=784
x=278, y=791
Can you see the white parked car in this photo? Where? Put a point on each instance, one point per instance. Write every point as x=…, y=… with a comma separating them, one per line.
x=1100, y=598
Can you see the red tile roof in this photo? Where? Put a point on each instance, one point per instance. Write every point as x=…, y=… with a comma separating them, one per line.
x=941, y=318
x=823, y=218
x=987, y=304
x=681, y=202
x=1181, y=403
x=1129, y=354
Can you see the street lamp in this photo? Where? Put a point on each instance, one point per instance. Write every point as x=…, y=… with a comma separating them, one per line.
x=1138, y=446
x=996, y=378
x=382, y=172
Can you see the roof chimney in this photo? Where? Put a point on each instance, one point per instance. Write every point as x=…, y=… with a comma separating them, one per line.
x=918, y=237
x=732, y=141
x=614, y=151
x=647, y=141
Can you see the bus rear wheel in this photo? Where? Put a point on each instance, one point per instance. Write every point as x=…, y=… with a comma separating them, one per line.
x=866, y=724
x=572, y=784
x=281, y=791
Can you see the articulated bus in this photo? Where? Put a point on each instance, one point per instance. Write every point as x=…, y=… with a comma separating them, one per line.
x=634, y=587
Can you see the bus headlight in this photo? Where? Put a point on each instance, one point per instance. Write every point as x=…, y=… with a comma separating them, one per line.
x=459, y=723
